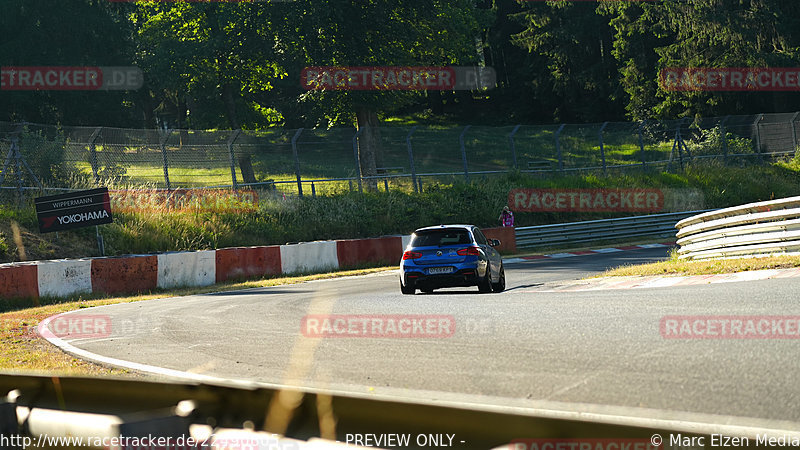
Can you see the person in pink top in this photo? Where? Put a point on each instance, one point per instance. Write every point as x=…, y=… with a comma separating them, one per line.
x=506, y=217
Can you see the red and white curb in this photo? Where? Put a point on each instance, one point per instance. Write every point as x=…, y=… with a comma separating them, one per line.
x=645, y=282
x=144, y=273
x=589, y=252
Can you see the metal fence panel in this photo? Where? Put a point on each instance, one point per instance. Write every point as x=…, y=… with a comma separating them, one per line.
x=325, y=160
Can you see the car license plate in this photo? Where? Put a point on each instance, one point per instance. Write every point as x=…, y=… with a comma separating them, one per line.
x=438, y=270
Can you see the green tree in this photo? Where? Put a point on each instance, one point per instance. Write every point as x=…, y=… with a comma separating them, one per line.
x=250, y=56
x=703, y=33
x=575, y=63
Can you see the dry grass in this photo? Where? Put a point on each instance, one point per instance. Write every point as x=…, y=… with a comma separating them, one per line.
x=675, y=266
x=22, y=350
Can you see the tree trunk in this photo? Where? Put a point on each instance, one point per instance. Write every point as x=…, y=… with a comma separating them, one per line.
x=246, y=168
x=245, y=159
x=369, y=145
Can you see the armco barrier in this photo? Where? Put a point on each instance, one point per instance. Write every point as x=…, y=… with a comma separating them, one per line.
x=754, y=229
x=141, y=273
x=247, y=262
x=102, y=410
x=125, y=274
x=569, y=234
x=309, y=257
x=353, y=252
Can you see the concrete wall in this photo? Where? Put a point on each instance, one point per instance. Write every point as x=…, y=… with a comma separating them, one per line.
x=318, y=256
x=142, y=273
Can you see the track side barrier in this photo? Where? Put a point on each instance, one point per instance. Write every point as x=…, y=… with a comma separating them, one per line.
x=247, y=262
x=572, y=233
x=754, y=229
x=506, y=236
x=63, y=277
x=354, y=252
x=142, y=273
x=125, y=274
x=96, y=409
x=309, y=257
x=19, y=280
x=186, y=269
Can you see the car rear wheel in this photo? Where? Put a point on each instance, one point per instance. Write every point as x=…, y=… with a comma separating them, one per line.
x=485, y=284
x=408, y=290
x=500, y=286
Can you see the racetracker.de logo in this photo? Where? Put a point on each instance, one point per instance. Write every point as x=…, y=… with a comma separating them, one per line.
x=730, y=79
x=586, y=200
x=397, y=78
x=730, y=327
x=77, y=326
x=63, y=78
x=378, y=326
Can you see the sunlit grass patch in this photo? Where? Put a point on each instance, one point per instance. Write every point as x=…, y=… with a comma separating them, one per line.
x=675, y=266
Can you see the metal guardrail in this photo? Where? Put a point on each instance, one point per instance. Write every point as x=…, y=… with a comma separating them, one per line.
x=245, y=415
x=556, y=235
x=754, y=229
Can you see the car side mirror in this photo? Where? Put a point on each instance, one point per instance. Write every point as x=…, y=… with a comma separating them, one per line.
x=494, y=242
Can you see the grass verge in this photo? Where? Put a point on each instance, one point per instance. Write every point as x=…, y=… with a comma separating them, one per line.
x=349, y=215
x=23, y=350
x=675, y=266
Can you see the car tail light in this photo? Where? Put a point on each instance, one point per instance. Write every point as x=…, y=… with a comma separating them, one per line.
x=469, y=251
x=411, y=255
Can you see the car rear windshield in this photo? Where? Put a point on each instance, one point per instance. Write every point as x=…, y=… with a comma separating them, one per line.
x=430, y=238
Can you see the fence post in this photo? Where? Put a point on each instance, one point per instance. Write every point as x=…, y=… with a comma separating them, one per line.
x=724, y=132
x=602, y=147
x=683, y=142
x=355, y=158
x=464, y=152
x=679, y=140
x=513, y=145
x=163, y=145
x=794, y=131
x=297, y=162
x=231, y=140
x=641, y=143
x=17, y=168
x=93, y=153
x=758, y=136
x=558, y=148
x=411, y=158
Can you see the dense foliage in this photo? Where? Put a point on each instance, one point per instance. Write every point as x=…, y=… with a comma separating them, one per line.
x=237, y=64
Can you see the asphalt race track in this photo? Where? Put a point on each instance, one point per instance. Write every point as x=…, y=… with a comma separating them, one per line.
x=520, y=347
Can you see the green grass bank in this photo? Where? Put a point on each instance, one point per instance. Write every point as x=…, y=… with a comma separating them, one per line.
x=345, y=214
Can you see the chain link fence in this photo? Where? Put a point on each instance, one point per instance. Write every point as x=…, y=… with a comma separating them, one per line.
x=315, y=161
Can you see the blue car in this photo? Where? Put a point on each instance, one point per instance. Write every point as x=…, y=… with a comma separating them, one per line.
x=451, y=256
